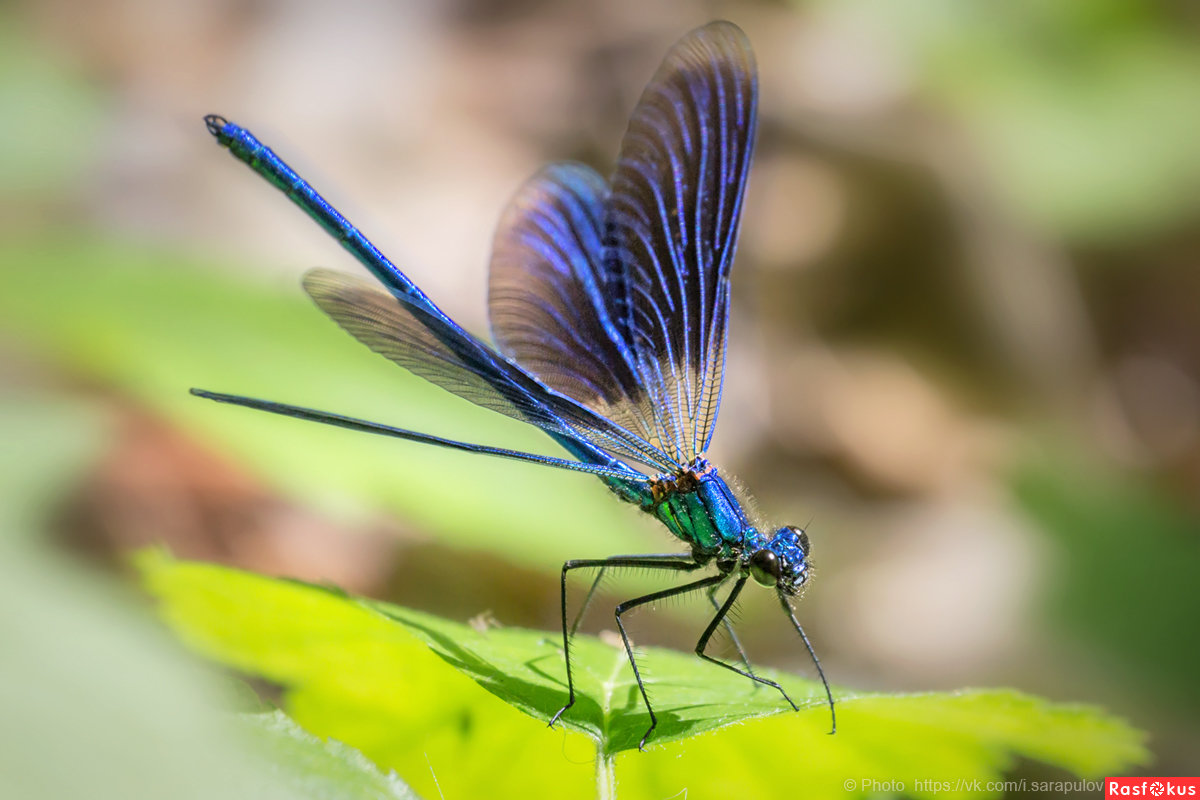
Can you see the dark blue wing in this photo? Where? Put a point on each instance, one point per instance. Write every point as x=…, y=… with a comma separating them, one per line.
x=420, y=338
x=671, y=229
x=545, y=299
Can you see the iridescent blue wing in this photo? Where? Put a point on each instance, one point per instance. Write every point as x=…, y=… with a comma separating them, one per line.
x=634, y=327
x=671, y=229
x=420, y=338
x=545, y=300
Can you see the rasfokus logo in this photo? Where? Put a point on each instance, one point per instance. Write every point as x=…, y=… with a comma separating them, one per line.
x=1151, y=787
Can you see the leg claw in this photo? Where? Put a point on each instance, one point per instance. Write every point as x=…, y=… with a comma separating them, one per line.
x=558, y=714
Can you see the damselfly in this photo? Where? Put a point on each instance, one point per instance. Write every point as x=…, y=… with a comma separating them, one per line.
x=608, y=306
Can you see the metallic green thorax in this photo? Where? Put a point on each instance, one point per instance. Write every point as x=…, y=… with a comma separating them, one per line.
x=698, y=506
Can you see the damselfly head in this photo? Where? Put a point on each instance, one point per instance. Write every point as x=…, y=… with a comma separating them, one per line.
x=783, y=561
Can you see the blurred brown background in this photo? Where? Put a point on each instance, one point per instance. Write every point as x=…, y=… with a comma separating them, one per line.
x=965, y=351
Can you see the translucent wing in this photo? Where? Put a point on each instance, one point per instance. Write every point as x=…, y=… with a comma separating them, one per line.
x=671, y=229
x=422, y=340
x=545, y=298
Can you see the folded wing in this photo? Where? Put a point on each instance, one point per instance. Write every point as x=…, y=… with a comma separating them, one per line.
x=619, y=299
x=545, y=296
x=425, y=342
x=672, y=225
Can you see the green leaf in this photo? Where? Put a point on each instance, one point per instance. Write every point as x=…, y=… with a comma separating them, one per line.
x=375, y=675
x=1080, y=110
x=320, y=768
x=54, y=440
x=356, y=676
x=1130, y=591
x=53, y=116
x=96, y=702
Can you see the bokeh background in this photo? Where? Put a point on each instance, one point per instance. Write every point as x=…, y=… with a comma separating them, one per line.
x=965, y=348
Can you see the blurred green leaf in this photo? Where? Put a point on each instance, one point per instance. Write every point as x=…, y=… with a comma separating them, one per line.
x=353, y=673
x=321, y=768
x=48, y=441
x=153, y=324
x=96, y=702
x=1131, y=579
x=1083, y=111
x=50, y=117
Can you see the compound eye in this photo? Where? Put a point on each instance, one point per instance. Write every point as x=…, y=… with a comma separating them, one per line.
x=801, y=537
x=764, y=568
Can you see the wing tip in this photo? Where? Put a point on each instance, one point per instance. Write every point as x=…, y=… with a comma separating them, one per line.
x=727, y=38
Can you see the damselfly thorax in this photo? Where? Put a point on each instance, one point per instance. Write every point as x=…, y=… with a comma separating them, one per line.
x=681, y=481
x=698, y=506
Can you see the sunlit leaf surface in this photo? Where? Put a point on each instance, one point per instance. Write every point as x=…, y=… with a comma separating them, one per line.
x=375, y=676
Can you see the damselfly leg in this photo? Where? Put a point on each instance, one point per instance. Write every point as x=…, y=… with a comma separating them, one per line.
x=667, y=562
x=722, y=617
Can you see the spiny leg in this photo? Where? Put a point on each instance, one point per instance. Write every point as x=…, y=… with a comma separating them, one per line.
x=722, y=612
x=787, y=609
x=672, y=562
x=650, y=598
x=587, y=601
x=712, y=598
